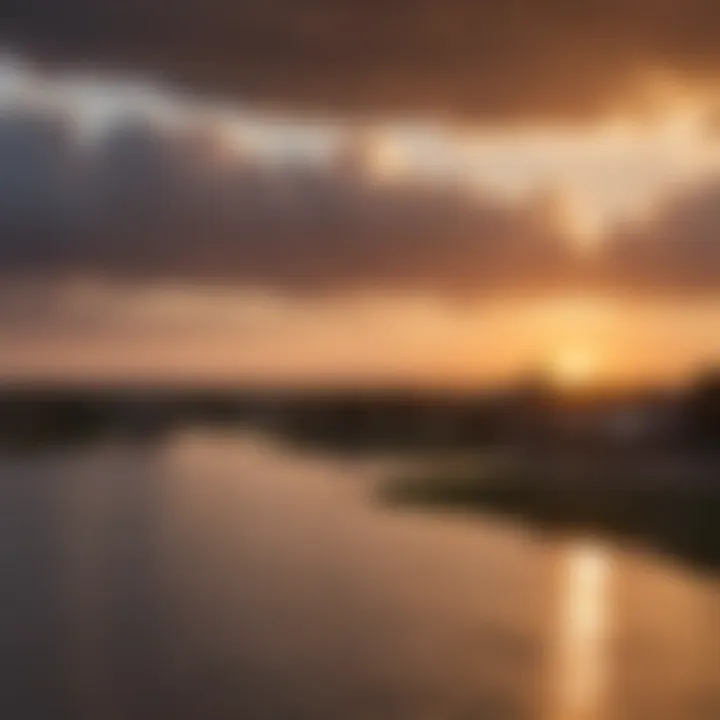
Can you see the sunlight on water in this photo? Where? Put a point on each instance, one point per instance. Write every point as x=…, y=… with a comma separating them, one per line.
x=227, y=576
x=583, y=627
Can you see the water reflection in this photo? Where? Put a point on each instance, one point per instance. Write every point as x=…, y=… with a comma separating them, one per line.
x=583, y=628
x=226, y=577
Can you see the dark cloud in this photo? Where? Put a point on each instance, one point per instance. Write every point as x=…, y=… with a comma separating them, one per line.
x=495, y=59
x=678, y=250
x=148, y=201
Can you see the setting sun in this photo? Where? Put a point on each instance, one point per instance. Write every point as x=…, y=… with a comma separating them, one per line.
x=574, y=367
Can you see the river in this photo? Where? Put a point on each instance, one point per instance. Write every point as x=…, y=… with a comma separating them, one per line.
x=217, y=576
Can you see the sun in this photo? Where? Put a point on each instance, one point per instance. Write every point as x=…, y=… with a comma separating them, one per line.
x=574, y=368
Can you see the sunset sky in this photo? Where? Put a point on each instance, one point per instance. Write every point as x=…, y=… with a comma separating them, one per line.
x=432, y=193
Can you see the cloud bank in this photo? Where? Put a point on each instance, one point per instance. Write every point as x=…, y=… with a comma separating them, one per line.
x=146, y=200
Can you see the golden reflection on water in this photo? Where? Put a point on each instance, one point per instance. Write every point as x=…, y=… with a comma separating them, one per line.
x=580, y=669
x=225, y=576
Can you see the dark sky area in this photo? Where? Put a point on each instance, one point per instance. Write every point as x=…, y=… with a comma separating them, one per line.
x=510, y=59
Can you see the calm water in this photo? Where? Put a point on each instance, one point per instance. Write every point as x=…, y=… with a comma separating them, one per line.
x=232, y=577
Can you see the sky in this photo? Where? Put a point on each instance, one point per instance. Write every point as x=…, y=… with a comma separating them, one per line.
x=425, y=193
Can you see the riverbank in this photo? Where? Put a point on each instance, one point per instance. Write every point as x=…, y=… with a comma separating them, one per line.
x=670, y=504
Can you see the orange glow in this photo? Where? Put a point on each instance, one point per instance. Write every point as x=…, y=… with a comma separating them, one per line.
x=575, y=367
x=235, y=335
